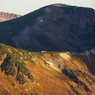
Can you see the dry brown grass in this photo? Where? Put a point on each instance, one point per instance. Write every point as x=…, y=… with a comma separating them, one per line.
x=47, y=80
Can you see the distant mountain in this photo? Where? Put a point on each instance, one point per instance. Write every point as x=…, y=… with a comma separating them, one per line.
x=56, y=27
x=35, y=73
x=7, y=16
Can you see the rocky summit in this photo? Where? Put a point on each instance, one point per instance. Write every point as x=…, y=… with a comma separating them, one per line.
x=7, y=16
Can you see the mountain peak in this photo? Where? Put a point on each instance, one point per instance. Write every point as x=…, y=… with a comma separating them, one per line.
x=4, y=16
x=52, y=28
x=60, y=5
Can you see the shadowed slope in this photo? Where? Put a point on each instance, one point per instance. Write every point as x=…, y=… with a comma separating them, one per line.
x=56, y=27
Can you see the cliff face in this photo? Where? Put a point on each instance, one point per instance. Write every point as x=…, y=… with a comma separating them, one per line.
x=7, y=16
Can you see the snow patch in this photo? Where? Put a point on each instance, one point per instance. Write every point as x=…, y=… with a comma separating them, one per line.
x=93, y=51
x=87, y=53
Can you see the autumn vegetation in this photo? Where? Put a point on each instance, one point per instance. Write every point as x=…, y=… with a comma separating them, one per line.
x=25, y=72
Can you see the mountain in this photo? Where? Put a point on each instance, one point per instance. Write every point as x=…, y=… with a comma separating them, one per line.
x=35, y=73
x=7, y=16
x=56, y=27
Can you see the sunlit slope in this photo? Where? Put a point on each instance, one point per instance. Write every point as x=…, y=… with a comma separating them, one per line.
x=7, y=16
x=60, y=73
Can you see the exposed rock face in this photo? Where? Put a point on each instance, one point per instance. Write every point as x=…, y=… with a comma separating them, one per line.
x=7, y=16
x=88, y=57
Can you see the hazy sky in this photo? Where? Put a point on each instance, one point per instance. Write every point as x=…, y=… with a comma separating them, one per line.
x=25, y=6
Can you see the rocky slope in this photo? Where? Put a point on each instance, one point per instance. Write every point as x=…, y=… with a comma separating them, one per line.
x=7, y=16
x=56, y=27
x=88, y=57
x=38, y=73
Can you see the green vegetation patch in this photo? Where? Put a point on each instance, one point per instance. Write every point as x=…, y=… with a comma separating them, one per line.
x=21, y=79
x=64, y=5
x=85, y=74
x=72, y=76
x=3, y=49
x=13, y=62
x=8, y=67
x=39, y=54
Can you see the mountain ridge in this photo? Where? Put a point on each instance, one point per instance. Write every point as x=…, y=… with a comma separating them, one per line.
x=5, y=16
x=64, y=28
x=67, y=31
x=25, y=72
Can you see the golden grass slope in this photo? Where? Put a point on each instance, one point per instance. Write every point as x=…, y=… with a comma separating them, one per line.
x=68, y=76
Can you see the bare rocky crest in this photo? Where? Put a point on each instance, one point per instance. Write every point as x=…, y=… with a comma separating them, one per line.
x=7, y=16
